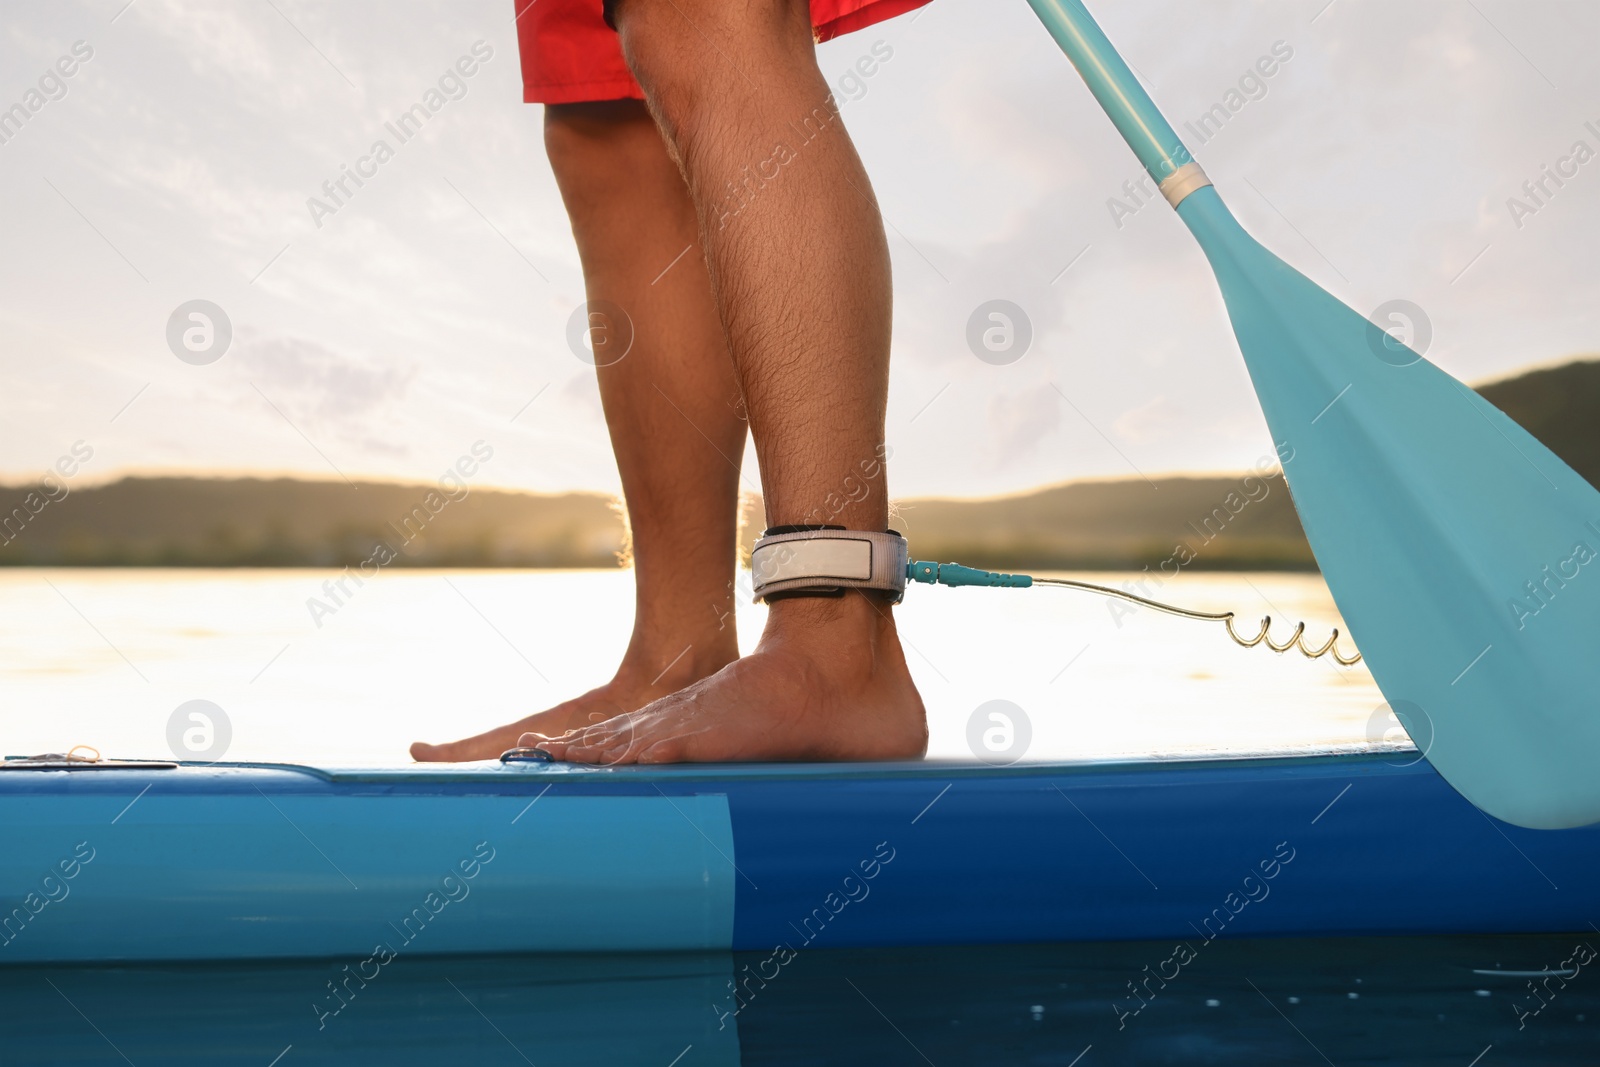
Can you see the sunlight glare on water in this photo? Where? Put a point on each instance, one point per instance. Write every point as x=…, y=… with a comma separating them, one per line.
x=104, y=657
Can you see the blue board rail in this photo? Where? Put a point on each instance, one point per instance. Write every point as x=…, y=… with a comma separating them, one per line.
x=247, y=861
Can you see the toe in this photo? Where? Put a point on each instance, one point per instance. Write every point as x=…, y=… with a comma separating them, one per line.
x=615, y=731
x=535, y=739
x=601, y=739
x=555, y=749
x=584, y=750
x=602, y=749
x=618, y=750
x=673, y=750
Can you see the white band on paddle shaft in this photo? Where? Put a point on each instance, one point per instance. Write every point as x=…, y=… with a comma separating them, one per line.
x=827, y=562
x=1183, y=181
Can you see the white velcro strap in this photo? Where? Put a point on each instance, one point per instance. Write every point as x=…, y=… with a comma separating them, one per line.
x=822, y=561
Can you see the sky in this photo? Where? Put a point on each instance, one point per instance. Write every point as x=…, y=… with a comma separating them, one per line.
x=429, y=310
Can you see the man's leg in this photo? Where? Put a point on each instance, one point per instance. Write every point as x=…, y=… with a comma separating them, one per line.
x=672, y=406
x=800, y=269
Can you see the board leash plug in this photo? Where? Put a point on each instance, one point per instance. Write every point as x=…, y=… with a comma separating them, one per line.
x=526, y=755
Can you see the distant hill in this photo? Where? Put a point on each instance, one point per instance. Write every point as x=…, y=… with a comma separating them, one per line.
x=1200, y=522
x=1561, y=407
x=1126, y=523
x=251, y=522
x=1213, y=523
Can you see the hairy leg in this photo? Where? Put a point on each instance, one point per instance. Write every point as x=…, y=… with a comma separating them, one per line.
x=800, y=270
x=672, y=404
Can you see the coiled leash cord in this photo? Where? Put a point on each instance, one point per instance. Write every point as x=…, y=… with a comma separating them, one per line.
x=954, y=574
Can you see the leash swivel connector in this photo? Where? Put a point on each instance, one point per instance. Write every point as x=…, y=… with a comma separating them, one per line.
x=954, y=574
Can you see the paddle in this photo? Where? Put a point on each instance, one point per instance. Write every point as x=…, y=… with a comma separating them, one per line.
x=1461, y=551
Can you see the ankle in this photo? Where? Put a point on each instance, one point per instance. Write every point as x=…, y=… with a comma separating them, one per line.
x=857, y=628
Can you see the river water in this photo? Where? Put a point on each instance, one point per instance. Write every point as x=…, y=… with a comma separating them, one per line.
x=106, y=657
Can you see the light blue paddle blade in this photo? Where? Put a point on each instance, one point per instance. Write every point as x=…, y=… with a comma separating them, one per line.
x=1463, y=554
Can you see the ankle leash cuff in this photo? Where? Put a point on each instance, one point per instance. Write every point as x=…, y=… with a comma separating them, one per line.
x=827, y=561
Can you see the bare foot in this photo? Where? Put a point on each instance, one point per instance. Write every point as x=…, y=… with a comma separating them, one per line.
x=594, y=706
x=628, y=691
x=827, y=682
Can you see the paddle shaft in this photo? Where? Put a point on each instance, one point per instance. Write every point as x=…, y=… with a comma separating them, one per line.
x=1135, y=115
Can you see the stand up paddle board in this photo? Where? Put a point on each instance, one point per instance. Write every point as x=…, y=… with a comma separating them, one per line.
x=251, y=861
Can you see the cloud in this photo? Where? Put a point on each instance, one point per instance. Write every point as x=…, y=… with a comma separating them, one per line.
x=317, y=382
x=1019, y=421
x=1154, y=420
x=581, y=392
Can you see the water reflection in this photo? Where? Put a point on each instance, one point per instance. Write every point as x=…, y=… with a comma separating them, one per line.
x=434, y=655
x=1348, y=1001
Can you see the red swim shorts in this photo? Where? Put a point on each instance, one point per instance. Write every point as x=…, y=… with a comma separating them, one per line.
x=570, y=55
